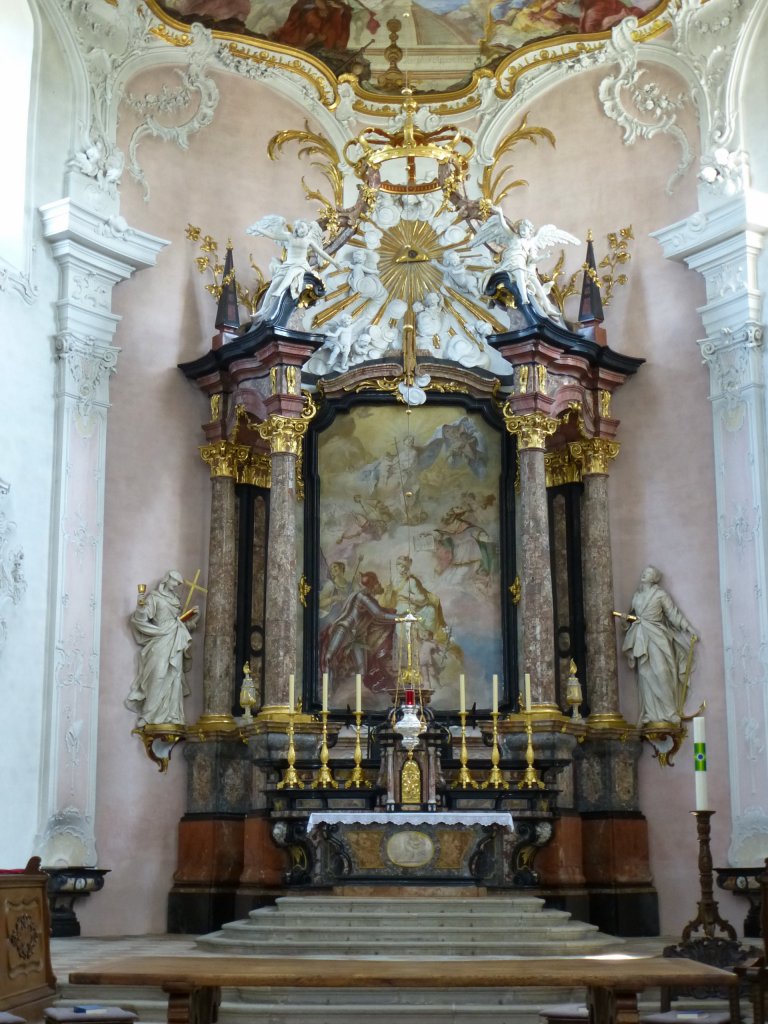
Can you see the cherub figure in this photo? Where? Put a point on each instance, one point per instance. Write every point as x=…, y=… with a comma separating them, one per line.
x=288, y=274
x=339, y=340
x=363, y=276
x=458, y=275
x=523, y=247
x=430, y=321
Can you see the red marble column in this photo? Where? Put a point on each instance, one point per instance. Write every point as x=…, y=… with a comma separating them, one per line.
x=219, y=641
x=284, y=434
x=538, y=628
x=602, y=670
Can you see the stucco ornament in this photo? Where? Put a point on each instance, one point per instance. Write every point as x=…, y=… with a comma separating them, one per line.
x=299, y=241
x=13, y=584
x=164, y=634
x=522, y=248
x=659, y=644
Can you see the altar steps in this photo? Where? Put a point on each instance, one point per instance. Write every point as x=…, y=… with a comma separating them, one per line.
x=402, y=926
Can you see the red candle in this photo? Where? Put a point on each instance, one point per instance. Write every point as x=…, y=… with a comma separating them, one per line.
x=409, y=698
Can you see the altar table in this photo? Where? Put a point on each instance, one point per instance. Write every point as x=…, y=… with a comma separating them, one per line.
x=194, y=984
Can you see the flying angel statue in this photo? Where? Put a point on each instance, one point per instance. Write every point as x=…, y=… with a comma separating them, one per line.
x=288, y=273
x=522, y=248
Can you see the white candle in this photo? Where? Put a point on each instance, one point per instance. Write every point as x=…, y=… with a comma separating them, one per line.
x=358, y=693
x=527, y=692
x=291, y=695
x=495, y=706
x=700, y=764
x=462, y=696
x=325, y=692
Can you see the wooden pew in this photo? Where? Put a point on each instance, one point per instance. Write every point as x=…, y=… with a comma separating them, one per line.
x=194, y=984
x=27, y=983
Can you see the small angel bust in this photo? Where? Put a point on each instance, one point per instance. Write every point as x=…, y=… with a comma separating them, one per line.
x=301, y=239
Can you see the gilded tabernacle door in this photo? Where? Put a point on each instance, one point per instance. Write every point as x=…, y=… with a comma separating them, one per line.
x=409, y=510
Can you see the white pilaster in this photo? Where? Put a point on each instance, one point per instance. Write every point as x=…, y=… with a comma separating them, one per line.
x=94, y=254
x=724, y=244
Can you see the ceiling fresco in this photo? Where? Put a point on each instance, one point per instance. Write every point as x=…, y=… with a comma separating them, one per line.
x=437, y=44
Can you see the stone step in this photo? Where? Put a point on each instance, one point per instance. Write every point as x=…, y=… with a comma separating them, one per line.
x=399, y=926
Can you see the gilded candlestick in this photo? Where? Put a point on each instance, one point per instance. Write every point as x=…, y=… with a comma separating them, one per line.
x=495, y=778
x=531, y=779
x=324, y=778
x=290, y=779
x=464, y=779
x=357, y=779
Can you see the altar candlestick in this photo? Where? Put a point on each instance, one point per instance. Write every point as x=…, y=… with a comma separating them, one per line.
x=325, y=692
x=358, y=693
x=495, y=707
x=462, y=696
x=527, y=693
x=291, y=693
x=700, y=764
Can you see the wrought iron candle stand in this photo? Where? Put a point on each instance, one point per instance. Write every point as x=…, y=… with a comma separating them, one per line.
x=718, y=951
x=357, y=779
x=708, y=916
x=324, y=778
x=495, y=778
x=290, y=779
x=464, y=779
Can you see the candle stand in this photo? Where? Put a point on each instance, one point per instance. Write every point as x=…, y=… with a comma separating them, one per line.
x=357, y=779
x=708, y=917
x=464, y=779
x=290, y=779
x=718, y=951
x=324, y=778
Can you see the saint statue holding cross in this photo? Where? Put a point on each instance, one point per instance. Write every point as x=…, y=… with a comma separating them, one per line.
x=163, y=630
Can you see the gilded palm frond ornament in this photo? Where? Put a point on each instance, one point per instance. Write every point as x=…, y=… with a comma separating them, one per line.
x=494, y=184
x=323, y=156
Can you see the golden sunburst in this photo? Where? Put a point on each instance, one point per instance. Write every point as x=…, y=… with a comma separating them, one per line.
x=407, y=256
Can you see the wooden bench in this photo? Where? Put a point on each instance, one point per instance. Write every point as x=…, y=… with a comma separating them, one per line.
x=27, y=984
x=194, y=983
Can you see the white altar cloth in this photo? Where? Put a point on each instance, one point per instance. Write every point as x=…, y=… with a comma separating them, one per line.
x=501, y=818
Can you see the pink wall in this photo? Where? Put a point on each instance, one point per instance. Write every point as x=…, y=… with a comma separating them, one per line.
x=158, y=488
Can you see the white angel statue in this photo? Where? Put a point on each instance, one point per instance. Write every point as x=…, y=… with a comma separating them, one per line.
x=288, y=273
x=523, y=247
x=363, y=274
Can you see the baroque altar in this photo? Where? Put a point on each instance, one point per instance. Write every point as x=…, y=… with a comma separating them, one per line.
x=409, y=446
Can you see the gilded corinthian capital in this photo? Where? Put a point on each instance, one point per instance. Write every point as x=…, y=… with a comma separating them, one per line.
x=532, y=429
x=284, y=433
x=224, y=457
x=594, y=454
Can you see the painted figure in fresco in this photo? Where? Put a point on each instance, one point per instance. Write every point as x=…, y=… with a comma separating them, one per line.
x=468, y=540
x=288, y=274
x=408, y=594
x=657, y=644
x=360, y=640
x=158, y=691
x=371, y=522
x=316, y=24
x=334, y=593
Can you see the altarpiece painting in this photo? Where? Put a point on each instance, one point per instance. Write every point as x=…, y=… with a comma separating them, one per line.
x=409, y=506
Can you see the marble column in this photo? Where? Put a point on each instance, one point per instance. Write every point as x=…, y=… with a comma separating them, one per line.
x=284, y=434
x=594, y=455
x=93, y=256
x=538, y=628
x=224, y=458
